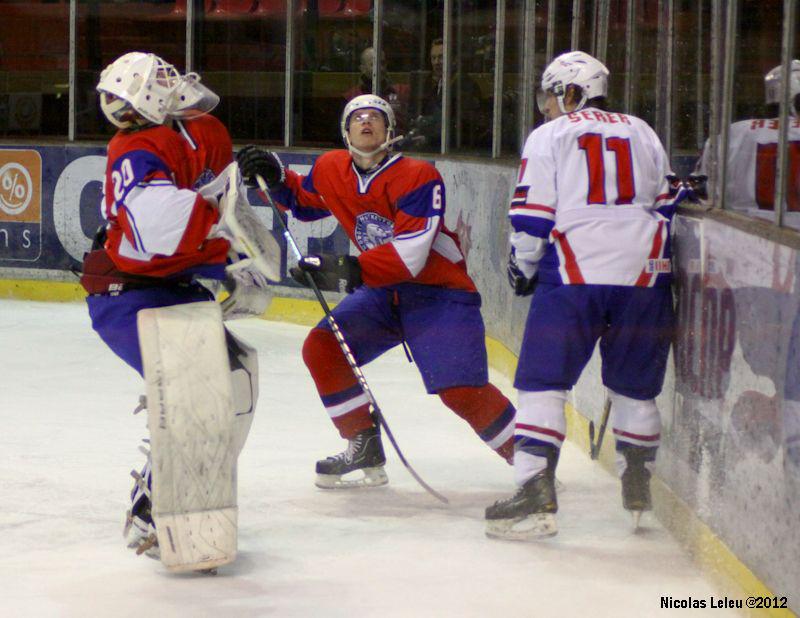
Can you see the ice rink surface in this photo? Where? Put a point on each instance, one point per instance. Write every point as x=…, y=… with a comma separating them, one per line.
x=68, y=441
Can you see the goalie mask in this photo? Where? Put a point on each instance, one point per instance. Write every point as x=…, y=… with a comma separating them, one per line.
x=772, y=86
x=575, y=68
x=136, y=89
x=369, y=101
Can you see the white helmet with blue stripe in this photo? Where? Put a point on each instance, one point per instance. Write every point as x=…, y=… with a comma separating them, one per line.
x=575, y=68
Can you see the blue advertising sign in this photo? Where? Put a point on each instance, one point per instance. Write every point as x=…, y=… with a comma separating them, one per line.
x=50, y=209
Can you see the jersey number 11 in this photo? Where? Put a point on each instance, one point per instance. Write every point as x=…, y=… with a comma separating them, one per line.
x=592, y=145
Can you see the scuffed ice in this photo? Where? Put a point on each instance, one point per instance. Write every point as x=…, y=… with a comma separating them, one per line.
x=69, y=441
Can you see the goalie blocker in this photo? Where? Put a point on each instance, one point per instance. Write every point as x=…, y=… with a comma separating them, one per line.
x=202, y=390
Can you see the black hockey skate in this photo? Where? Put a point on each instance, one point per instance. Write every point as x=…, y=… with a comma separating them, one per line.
x=363, y=453
x=140, y=531
x=636, y=481
x=528, y=514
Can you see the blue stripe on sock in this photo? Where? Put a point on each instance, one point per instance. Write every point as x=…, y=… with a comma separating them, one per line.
x=500, y=423
x=532, y=446
x=346, y=395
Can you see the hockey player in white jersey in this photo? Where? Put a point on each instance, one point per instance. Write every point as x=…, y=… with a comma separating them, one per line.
x=590, y=220
x=753, y=156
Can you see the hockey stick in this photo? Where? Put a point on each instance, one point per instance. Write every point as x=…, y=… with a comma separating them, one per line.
x=377, y=415
x=594, y=448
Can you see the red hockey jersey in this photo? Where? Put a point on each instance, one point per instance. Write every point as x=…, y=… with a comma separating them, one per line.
x=393, y=214
x=158, y=223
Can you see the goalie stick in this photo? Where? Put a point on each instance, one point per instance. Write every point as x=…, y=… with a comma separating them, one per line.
x=377, y=415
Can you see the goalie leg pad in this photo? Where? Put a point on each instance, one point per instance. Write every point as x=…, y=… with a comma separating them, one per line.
x=192, y=435
x=244, y=382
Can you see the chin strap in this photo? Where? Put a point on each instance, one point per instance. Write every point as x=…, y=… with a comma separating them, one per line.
x=385, y=146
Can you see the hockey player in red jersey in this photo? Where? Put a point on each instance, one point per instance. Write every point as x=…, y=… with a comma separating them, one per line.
x=590, y=234
x=162, y=230
x=409, y=286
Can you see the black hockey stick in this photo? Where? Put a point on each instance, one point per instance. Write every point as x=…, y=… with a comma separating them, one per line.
x=377, y=415
x=594, y=448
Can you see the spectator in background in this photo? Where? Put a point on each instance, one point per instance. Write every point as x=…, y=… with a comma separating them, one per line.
x=469, y=119
x=396, y=95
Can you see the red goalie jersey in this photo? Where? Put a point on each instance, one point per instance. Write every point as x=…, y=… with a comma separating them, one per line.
x=158, y=223
x=394, y=214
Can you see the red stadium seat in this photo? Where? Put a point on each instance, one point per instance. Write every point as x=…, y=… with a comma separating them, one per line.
x=344, y=8
x=180, y=7
x=271, y=8
x=327, y=8
x=224, y=8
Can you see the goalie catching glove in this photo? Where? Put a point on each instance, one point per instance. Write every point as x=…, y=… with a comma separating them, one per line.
x=331, y=273
x=254, y=161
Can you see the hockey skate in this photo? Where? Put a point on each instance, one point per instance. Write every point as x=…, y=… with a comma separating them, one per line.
x=636, y=482
x=527, y=515
x=140, y=531
x=359, y=465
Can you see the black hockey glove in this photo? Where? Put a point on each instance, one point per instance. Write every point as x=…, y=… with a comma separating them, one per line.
x=332, y=273
x=254, y=161
x=522, y=285
x=698, y=187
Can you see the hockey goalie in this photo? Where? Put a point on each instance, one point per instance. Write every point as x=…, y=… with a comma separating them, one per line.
x=177, y=220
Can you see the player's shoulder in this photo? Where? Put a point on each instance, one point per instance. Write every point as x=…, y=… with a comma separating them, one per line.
x=540, y=139
x=209, y=131
x=152, y=139
x=206, y=124
x=409, y=173
x=338, y=159
x=418, y=167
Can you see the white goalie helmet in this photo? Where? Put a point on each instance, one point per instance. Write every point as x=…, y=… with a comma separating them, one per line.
x=579, y=69
x=137, y=82
x=140, y=88
x=368, y=101
x=772, y=85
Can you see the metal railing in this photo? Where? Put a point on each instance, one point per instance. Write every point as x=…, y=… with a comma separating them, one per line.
x=721, y=45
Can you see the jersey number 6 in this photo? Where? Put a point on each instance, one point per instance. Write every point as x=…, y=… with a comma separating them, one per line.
x=592, y=145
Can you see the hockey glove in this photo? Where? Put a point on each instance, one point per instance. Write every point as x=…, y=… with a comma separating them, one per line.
x=249, y=293
x=253, y=161
x=698, y=187
x=332, y=273
x=522, y=285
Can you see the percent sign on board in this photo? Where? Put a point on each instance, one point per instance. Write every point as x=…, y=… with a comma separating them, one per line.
x=15, y=188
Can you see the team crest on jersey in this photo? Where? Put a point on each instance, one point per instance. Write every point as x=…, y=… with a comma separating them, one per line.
x=372, y=230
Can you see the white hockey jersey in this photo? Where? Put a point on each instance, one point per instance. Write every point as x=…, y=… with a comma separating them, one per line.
x=752, y=164
x=593, y=202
